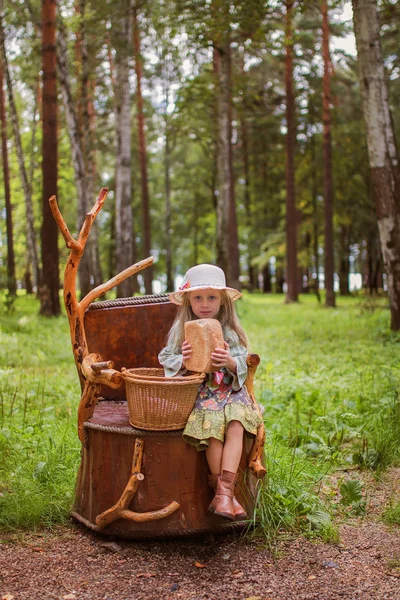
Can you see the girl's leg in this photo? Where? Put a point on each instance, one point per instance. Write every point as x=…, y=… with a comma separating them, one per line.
x=214, y=455
x=224, y=503
x=232, y=449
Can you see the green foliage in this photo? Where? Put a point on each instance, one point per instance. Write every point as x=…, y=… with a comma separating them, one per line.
x=39, y=450
x=328, y=379
x=352, y=496
x=392, y=514
x=288, y=500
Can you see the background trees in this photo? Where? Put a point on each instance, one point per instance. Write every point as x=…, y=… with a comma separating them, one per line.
x=202, y=175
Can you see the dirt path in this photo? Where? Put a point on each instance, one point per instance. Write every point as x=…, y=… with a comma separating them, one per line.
x=72, y=563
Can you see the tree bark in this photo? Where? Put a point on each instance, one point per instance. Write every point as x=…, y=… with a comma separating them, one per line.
x=329, y=266
x=88, y=146
x=123, y=186
x=30, y=228
x=344, y=267
x=383, y=156
x=291, y=217
x=11, y=280
x=252, y=283
x=49, y=284
x=89, y=273
x=146, y=232
x=168, y=212
x=267, y=284
x=314, y=204
x=78, y=160
x=373, y=264
x=227, y=235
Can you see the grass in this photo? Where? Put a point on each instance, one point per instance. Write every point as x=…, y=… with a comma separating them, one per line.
x=328, y=379
x=392, y=514
x=39, y=394
x=288, y=500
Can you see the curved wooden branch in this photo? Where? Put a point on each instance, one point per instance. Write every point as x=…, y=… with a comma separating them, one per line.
x=100, y=366
x=254, y=458
x=109, y=377
x=90, y=395
x=76, y=310
x=154, y=515
x=116, y=280
x=253, y=360
x=90, y=217
x=69, y=240
x=120, y=509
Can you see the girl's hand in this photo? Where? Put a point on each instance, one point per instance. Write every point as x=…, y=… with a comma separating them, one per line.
x=221, y=357
x=186, y=352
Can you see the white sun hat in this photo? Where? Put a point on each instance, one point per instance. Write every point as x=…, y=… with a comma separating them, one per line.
x=203, y=277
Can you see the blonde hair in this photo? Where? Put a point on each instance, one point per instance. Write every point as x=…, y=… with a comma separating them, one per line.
x=227, y=316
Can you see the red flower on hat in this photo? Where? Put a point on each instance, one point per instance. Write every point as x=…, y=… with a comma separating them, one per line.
x=184, y=286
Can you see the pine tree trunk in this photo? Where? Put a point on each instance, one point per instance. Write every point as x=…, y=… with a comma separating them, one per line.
x=267, y=284
x=373, y=264
x=30, y=229
x=314, y=192
x=329, y=266
x=146, y=232
x=49, y=284
x=344, y=267
x=11, y=281
x=279, y=280
x=383, y=156
x=227, y=235
x=92, y=247
x=291, y=217
x=78, y=161
x=123, y=186
x=246, y=172
x=168, y=214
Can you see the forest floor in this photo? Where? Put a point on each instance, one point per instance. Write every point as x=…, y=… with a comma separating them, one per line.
x=72, y=563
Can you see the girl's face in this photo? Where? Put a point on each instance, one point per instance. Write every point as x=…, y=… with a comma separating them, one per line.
x=205, y=303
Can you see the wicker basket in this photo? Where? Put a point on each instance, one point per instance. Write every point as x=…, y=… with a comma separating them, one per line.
x=159, y=403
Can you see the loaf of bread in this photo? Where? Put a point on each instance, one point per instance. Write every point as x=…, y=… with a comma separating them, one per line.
x=204, y=335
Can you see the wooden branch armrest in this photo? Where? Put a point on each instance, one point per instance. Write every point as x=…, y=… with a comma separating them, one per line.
x=100, y=366
x=92, y=369
x=254, y=458
x=253, y=360
x=116, y=280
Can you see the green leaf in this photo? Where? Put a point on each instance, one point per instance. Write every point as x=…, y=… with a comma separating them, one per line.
x=351, y=492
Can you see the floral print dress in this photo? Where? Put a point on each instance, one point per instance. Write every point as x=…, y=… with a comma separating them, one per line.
x=222, y=397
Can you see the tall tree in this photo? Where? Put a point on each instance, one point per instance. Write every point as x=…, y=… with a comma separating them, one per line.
x=329, y=265
x=146, y=232
x=227, y=235
x=87, y=136
x=30, y=229
x=11, y=280
x=124, y=251
x=78, y=160
x=291, y=213
x=382, y=150
x=49, y=284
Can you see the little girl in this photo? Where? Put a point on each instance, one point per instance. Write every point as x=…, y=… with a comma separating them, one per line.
x=223, y=409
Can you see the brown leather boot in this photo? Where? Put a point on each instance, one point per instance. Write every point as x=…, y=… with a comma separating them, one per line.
x=238, y=510
x=222, y=503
